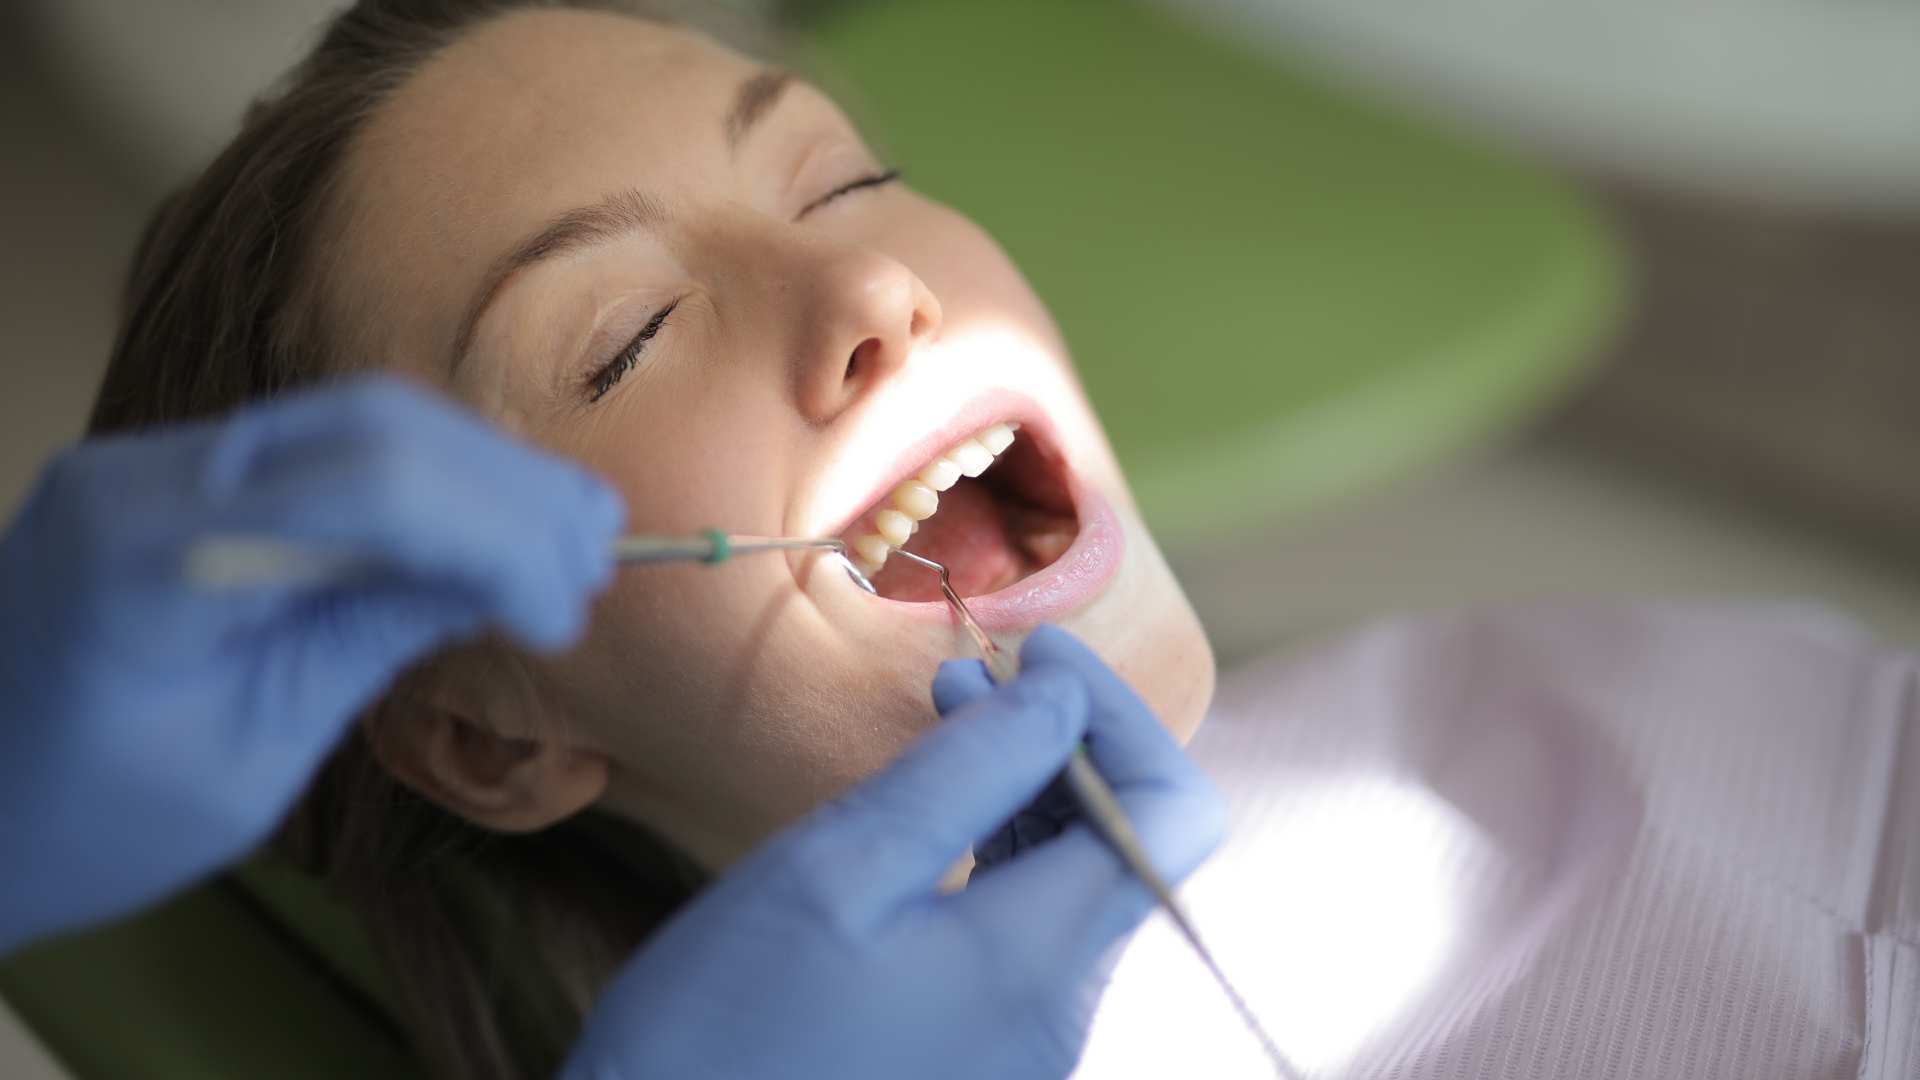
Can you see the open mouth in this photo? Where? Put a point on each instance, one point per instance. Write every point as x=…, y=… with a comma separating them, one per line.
x=994, y=509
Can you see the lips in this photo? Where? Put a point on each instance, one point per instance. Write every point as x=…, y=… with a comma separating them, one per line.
x=1022, y=535
x=1064, y=586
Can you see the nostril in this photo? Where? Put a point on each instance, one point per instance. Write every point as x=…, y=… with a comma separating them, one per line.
x=861, y=359
x=921, y=326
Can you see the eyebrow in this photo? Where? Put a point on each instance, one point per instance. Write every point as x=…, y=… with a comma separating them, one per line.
x=617, y=215
x=752, y=101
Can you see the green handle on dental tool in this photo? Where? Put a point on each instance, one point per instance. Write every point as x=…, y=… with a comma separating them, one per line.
x=709, y=546
x=714, y=547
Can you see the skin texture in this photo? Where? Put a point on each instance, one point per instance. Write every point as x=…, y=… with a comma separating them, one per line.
x=805, y=353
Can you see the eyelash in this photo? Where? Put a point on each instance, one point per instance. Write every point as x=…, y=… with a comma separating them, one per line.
x=885, y=177
x=610, y=374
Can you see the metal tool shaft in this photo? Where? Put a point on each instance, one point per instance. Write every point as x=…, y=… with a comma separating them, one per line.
x=714, y=547
x=1110, y=822
x=711, y=546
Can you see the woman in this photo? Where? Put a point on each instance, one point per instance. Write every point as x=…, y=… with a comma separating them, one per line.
x=628, y=244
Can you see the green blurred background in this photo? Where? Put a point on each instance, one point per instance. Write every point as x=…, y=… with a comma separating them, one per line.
x=1275, y=293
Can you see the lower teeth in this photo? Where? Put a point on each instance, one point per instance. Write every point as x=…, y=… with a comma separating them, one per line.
x=1040, y=535
x=1046, y=547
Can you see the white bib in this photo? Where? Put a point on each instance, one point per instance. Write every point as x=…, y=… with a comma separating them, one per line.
x=1554, y=844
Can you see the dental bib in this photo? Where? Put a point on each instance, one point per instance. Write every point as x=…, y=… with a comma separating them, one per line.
x=1602, y=842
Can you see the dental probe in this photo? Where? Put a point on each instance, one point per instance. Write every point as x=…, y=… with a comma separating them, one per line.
x=713, y=547
x=1109, y=820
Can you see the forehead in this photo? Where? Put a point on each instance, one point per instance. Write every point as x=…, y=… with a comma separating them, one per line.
x=526, y=116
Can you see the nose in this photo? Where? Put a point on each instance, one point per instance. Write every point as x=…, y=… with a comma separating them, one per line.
x=868, y=312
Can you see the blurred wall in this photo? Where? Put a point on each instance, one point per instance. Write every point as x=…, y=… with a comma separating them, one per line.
x=70, y=217
x=1773, y=357
x=105, y=106
x=163, y=82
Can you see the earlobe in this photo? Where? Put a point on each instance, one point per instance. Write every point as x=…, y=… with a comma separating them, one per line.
x=501, y=783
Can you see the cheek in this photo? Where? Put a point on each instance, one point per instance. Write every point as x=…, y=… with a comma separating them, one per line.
x=1148, y=631
x=693, y=453
x=1178, y=679
x=973, y=277
x=728, y=706
x=1169, y=662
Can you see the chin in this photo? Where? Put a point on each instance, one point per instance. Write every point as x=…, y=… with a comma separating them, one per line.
x=1179, y=685
x=1152, y=637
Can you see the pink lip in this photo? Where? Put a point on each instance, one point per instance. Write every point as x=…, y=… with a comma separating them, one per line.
x=1064, y=586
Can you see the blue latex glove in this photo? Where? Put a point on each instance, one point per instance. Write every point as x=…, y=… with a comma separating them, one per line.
x=154, y=730
x=961, y=682
x=830, y=952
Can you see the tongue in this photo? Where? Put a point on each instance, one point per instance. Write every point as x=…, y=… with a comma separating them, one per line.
x=968, y=537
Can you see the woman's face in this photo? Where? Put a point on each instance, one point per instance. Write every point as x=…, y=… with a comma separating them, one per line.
x=627, y=244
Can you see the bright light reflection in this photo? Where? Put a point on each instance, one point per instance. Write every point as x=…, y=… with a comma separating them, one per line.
x=948, y=374
x=1332, y=917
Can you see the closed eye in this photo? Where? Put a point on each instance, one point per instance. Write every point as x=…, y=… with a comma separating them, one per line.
x=609, y=375
x=877, y=179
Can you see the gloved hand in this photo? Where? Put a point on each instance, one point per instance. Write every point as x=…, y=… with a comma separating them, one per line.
x=154, y=729
x=959, y=683
x=831, y=953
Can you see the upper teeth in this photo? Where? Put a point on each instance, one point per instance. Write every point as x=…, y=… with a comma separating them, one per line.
x=917, y=499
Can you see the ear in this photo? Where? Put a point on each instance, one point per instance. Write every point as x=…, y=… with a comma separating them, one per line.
x=513, y=785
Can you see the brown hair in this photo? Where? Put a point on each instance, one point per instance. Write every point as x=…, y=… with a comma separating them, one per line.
x=223, y=308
